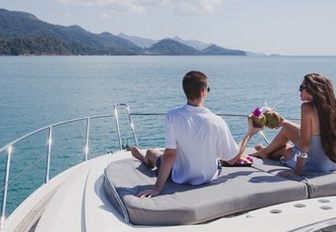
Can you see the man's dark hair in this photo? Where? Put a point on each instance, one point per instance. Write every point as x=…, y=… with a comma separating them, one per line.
x=193, y=83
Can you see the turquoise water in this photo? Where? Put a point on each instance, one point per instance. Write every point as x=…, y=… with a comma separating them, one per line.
x=38, y=91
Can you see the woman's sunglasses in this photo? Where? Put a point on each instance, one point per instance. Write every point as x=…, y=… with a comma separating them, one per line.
x=302, y=87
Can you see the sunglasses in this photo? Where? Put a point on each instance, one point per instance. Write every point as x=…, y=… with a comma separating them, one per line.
x=302, y=87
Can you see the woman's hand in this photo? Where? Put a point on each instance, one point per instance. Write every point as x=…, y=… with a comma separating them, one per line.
x=299, y=168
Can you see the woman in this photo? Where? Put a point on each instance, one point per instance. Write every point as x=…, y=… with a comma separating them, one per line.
x=314, y=141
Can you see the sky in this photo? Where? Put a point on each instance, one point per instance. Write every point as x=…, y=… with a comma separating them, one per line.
x=286, y=27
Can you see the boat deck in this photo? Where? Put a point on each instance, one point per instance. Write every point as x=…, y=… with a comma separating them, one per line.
x=76, y=201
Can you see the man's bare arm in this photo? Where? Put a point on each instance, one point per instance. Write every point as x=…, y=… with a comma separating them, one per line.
x=243, y=144
x=167, y=162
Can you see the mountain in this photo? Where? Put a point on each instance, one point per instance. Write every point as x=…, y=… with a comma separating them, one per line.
x=192, y=43
x=168, y=47
x=23, y=33
x=140, y=41
x=171, y=47
x=147, y=43
x=219, y=51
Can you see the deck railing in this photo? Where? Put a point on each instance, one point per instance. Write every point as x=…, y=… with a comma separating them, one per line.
x=50, y=128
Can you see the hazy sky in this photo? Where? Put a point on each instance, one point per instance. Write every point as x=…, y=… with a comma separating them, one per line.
x=288, y=27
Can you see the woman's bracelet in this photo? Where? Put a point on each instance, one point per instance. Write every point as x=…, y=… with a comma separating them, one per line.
x=302, y=155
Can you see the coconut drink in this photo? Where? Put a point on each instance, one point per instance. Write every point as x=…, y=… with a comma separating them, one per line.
x=273, y=119
x=258, y=118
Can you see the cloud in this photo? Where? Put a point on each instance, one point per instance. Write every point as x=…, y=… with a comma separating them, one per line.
x=191, y=7
x=178, y=7
x=111, y=5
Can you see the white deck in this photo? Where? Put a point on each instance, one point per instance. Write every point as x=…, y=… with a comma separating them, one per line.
x=75, y=201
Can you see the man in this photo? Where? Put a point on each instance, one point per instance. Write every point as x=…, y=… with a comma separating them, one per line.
x=195, y=139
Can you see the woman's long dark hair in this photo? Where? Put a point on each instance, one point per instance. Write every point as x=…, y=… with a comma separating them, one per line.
x=320, y=87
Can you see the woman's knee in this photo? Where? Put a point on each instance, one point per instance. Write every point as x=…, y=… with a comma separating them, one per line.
x=286, y=125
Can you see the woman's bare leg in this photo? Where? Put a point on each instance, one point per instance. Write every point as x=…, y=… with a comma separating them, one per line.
x=274, y=155
x=279, y=145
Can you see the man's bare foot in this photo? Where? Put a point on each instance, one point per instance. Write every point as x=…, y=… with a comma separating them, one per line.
x=138, y=153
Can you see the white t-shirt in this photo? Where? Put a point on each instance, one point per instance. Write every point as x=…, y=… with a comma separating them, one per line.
x=200, y=139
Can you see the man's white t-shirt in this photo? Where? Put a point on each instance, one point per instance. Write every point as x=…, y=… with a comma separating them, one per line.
x=200, y=139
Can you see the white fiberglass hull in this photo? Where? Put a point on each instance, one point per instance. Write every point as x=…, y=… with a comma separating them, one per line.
x=75, y=201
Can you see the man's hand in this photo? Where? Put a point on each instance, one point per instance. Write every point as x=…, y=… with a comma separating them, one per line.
x=148, y=193
x=240, y=159
x=167, y=162
x=251, y=129
x=243, y=144
x=245, y=159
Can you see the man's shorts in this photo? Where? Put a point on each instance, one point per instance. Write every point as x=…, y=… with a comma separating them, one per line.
x=158, y=165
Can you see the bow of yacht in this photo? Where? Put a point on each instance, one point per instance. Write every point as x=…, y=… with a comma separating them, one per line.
x=75, y=200
x=98, y=195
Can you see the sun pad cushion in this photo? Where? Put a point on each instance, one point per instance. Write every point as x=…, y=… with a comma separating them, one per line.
x=237, y=189
x=318, y=184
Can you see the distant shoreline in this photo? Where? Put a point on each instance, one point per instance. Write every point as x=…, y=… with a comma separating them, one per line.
x=143, y=55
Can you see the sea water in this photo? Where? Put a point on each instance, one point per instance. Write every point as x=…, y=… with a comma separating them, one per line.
x=41, y=90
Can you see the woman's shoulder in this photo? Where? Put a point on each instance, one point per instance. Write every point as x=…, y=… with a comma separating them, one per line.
x=307, y=107
x=308, y=110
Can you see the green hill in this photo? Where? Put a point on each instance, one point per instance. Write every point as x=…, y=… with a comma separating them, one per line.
x=171, y=47
x=22, y=33
x=215, y=50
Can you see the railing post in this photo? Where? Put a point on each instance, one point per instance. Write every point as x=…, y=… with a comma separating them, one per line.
x=130, y=122
x=132, y=126
x=117, y=124
x=48, y=155
x=86, y=148
x=4, y=196
x=261, y=133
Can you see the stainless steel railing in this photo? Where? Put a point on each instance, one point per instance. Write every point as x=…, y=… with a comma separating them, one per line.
x=261, y=133
x=10, y=147
x=130, y=123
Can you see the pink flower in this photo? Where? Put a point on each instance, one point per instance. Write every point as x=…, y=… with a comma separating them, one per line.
x=256, y=112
